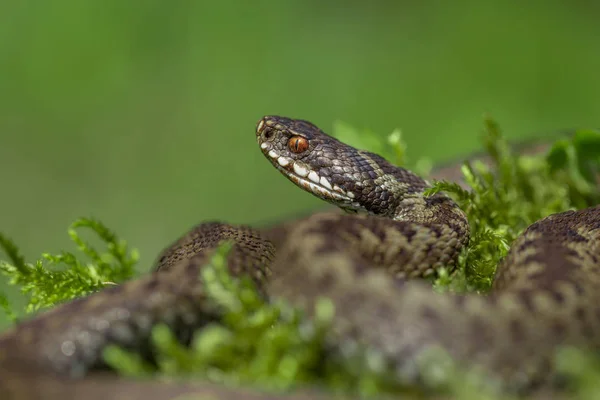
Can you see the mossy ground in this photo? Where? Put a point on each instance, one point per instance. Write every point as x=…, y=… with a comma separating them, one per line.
x=272, y=345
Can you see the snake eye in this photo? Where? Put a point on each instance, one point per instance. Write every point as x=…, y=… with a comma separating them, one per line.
x=298, y=144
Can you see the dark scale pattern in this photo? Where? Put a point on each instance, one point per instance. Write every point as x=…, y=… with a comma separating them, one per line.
x=545, y=293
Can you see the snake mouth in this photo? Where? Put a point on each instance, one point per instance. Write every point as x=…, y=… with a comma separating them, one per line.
x=309, y=180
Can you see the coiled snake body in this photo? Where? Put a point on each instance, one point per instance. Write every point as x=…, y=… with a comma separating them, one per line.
x=546, y=291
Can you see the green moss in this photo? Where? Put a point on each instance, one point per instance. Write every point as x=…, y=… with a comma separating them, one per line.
x=273, y=346
x=507, y=196
x=55, y=278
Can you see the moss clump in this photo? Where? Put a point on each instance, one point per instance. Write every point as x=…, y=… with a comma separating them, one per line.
x=55, y=278
x=273, y=345
x=510, y=195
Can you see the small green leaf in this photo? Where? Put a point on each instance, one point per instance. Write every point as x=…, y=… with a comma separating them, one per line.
x=558, y=155
x=5, y=305
x=398, y=147
x=11, y=250
x=125, y=362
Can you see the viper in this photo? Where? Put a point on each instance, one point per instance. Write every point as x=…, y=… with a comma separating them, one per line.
x=546, y=291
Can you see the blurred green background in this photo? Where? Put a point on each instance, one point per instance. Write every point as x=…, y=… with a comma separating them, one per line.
x=141, y=113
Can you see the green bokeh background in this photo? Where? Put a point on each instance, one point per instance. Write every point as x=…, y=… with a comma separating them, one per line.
x=141, y=113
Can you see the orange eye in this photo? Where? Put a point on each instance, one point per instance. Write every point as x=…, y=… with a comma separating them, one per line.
x=298, y=144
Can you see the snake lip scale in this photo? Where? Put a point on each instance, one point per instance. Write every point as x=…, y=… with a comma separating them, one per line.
x=546, y=291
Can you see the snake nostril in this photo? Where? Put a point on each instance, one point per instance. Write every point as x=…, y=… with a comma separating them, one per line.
x=268, y=133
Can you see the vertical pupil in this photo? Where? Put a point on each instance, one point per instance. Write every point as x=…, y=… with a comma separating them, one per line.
x=297, y=144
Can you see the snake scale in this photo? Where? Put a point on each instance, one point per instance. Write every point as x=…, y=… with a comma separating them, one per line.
x=546, y=292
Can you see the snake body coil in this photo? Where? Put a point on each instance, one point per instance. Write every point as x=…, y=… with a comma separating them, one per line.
x=546, y=292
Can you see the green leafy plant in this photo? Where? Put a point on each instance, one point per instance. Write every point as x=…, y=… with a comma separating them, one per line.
x=56, y=278
x=506, y=197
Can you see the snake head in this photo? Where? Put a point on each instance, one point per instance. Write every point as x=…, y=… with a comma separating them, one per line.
x=305, y=155
x=355, y=180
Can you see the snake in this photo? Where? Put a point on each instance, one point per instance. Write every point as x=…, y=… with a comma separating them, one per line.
x=366, y=259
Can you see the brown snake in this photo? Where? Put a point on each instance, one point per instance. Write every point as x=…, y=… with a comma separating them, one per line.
x=546, y=292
